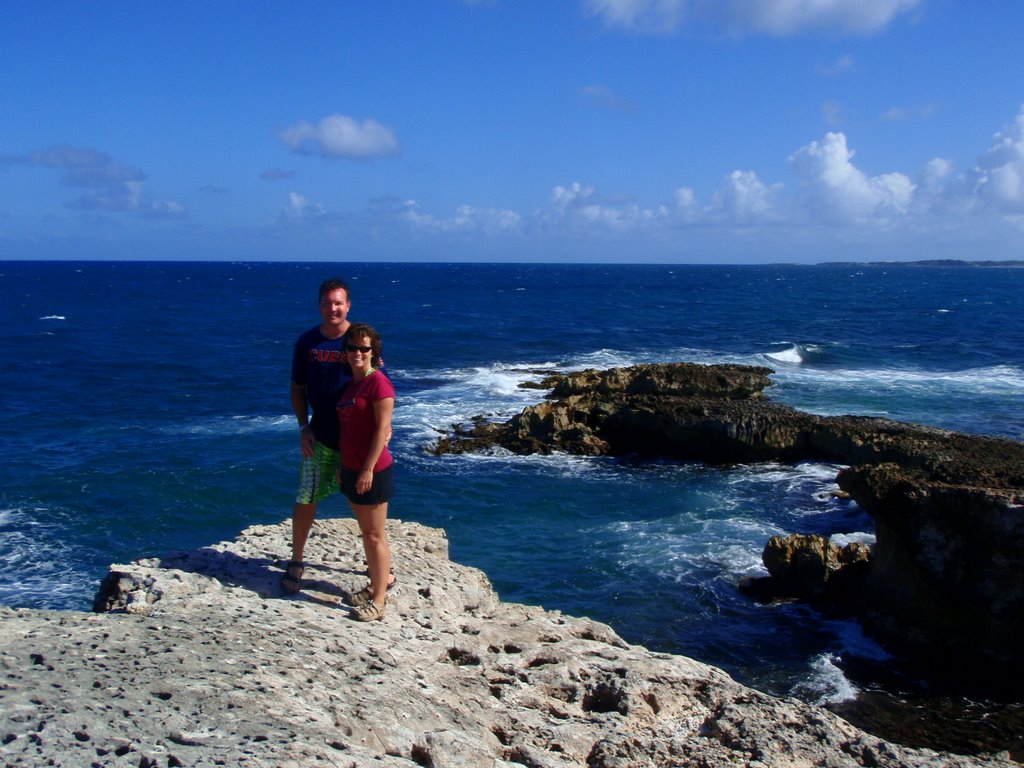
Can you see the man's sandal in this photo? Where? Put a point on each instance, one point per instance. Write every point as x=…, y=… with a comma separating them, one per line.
x=292, y=582
x=365, y=595
x=369, y=612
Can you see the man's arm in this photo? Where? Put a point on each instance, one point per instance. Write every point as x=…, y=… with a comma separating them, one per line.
x=300, y=406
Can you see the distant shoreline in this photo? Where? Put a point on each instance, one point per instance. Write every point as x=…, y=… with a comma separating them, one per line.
x=924, y=263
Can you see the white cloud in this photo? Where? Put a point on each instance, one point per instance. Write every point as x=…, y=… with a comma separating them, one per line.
x=840, y=66
x=580, y=208
x=639, y=15
x=992, y=191
x=744, y=199
x=164, y=209
x=838, y=192
x=771, y=17
x=826, y=196
x=934, y=180
x=998, y=178
x=829, y=190
x=466, y=219
x=832, y=112
x=107, y=183
x=341, y=136
x=300, y=208
x=901, y=113
x=789, y=17
x=685, y=207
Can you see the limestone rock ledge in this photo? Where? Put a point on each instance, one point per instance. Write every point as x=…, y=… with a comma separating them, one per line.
x=198, y=660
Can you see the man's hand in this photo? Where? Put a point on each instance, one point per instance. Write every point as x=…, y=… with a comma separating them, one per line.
x=307, y=442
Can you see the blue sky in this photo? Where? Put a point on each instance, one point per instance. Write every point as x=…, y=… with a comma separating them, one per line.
x=699, y=131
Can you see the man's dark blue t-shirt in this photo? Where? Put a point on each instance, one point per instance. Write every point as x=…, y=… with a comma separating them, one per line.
x=319, y=364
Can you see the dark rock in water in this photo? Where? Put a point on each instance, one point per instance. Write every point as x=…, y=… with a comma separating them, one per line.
x=811, y=567
x=945, y=582
x=954, y=724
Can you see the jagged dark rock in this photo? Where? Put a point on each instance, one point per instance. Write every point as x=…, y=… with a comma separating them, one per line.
x=811, y=567
x=944, y=585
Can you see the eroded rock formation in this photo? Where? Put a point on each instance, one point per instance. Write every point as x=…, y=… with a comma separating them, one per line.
x=945, y=582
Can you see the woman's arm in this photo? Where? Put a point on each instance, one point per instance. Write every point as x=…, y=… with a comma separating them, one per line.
x=382, y=411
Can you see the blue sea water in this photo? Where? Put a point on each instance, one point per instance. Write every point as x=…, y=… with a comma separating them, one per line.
x=144, y=409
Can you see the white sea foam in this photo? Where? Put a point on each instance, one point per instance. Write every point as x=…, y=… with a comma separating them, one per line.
x=826, y=683
x=601, y=359
x=503, y=383
x=836, y=383
x=708, y=534
x=855, y=537
x=994, y=379
x=465, y=393
x=791, y=355
x=493, y=391
x=36, y=558
x=736, y=560
x=807, y=486
x=231, y=425
x=53, y=317
x=555, y=464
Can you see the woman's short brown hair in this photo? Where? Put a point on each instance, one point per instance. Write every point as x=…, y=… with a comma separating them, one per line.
x=357, y=331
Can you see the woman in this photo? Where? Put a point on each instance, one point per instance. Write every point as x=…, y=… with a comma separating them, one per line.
x=364, y=415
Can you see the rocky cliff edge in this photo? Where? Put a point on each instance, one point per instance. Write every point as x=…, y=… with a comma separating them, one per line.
x=198, y=660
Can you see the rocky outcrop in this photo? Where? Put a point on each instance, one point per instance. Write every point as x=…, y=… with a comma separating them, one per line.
x=944, y=583
x=200, y=661
x=814, y=568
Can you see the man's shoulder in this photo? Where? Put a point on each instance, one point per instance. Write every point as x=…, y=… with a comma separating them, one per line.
x=315, y=337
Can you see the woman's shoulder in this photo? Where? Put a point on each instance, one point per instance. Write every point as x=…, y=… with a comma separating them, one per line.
x=380, y=385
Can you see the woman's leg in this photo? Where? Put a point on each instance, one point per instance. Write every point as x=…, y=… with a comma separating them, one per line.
x=372, y=519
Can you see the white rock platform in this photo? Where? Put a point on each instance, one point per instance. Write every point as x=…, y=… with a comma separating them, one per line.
x=201, y=661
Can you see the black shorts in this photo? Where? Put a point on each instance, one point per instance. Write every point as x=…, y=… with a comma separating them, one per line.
x=382, y=490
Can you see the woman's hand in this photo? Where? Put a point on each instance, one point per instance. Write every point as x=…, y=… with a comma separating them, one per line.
x=365, y=481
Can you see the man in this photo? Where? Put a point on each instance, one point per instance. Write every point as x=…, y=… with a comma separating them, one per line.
x=320, y=372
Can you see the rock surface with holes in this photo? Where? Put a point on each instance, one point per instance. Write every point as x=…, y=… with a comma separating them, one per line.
x=198, y=660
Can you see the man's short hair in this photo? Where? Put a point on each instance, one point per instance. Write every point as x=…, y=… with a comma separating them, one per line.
x=333, y=284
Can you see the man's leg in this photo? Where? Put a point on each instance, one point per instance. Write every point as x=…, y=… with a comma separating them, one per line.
x=302, y=521
x=303, y=516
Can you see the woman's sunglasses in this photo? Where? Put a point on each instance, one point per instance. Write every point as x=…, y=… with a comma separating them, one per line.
x=357, y=348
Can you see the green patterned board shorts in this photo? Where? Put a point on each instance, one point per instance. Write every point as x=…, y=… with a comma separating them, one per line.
x=318, y=475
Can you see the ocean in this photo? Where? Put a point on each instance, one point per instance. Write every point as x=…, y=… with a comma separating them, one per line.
x=144, y=409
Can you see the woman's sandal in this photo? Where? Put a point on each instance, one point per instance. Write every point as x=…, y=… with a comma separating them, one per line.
x=365, y=595
x=369, y=612
x=292, y=583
